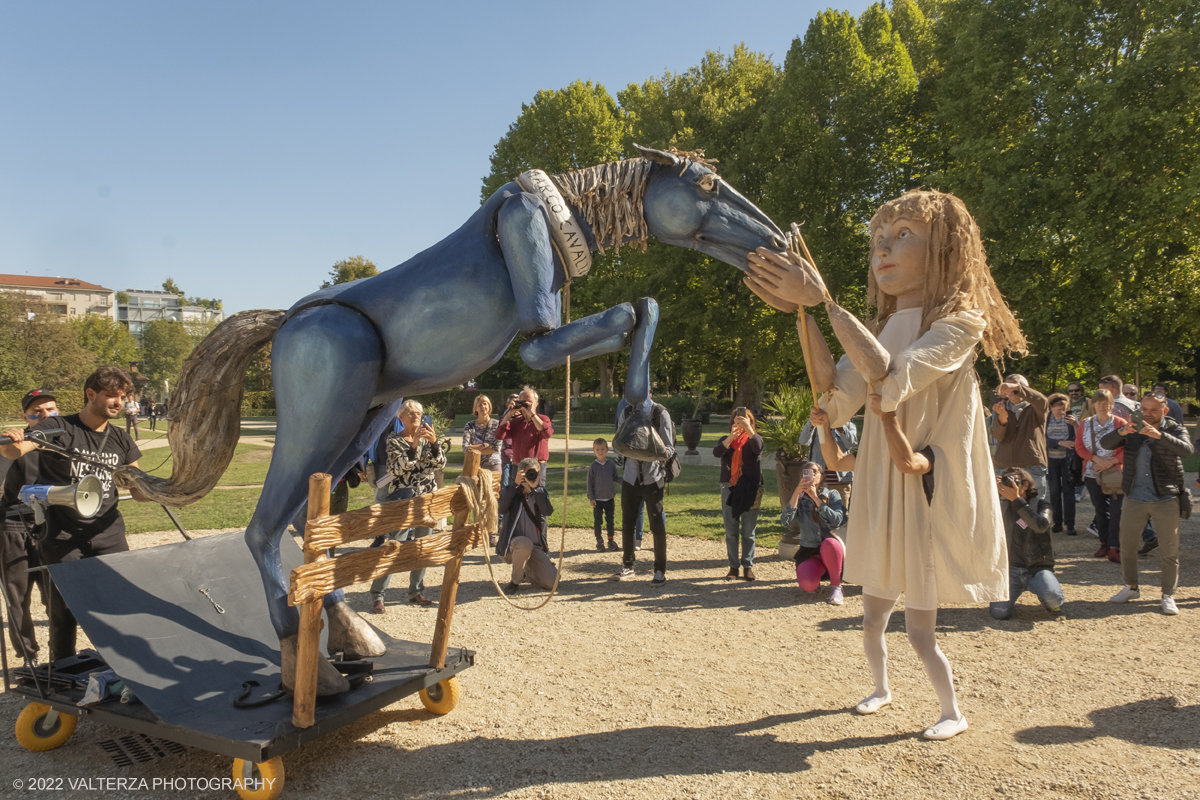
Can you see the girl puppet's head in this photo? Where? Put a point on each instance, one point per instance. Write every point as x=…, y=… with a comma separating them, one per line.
x=939, y=253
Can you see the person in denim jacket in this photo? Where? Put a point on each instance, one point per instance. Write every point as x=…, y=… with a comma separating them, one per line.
x=819, y=512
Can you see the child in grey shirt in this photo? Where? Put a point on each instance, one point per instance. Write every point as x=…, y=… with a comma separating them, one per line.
x=602, y=492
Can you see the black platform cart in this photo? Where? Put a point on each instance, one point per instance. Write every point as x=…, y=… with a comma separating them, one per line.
x=183, y=626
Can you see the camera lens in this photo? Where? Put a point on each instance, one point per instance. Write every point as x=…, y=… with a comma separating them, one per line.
x=531, y=475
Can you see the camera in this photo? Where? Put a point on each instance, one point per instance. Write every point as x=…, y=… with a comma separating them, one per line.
x=1136, y=418
x=740, y=411
x=1010, y=481
x=521, y=404
x=531, y=475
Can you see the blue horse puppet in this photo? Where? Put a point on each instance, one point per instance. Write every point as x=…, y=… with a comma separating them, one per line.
x=343, y=357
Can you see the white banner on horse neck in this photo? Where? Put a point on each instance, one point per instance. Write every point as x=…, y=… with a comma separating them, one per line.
x=563, y=227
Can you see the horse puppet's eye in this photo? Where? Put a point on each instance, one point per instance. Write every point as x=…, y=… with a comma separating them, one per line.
x=708, y=182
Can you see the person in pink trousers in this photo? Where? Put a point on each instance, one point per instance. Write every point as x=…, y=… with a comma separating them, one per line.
x=818, y=512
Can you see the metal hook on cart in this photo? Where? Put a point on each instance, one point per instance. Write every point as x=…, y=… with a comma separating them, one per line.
x=216, y=605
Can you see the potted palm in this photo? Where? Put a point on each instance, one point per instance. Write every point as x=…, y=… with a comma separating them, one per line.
x=785, y=413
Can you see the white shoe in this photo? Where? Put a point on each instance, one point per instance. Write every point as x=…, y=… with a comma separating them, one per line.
x=873, y=703
x=1126, y=594
x=1093, y=530
x=1169, y=607
x=624, y=574
x=835, y=596
x=946, y=729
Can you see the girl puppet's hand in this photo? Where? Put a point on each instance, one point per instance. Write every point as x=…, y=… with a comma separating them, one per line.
x=785, y=276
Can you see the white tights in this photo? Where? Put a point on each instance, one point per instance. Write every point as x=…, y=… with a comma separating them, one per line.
x=921, y=627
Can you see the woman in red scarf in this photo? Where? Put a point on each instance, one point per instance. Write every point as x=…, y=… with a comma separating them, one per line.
x=741, y=478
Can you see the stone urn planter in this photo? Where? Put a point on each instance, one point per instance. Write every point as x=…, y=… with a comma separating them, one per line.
x=787, y=478
x=692, y=430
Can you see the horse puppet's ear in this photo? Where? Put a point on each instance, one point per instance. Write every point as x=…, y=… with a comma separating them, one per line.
x=657, y=156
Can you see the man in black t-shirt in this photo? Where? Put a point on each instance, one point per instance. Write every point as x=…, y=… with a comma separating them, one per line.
x=89, y=435
x=18, y=543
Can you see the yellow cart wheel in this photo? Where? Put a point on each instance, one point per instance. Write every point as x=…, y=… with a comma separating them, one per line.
x=33, y=733
x=441, y=698
x=266, y=779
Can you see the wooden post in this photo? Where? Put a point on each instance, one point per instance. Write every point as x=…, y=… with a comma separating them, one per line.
x=445, y=613
x=304, y=707
x=823, y=431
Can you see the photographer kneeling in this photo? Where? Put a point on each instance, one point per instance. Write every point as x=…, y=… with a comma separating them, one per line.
x=1030, y=551
x=522, y=541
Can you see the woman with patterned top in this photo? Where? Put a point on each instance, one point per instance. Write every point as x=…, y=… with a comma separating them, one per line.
x=413, y=458
x=480, y=435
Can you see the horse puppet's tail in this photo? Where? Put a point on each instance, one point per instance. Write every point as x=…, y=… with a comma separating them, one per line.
x=205, y=410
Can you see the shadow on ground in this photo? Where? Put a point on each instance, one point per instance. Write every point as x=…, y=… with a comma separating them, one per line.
x=655, y=751
x=1154, y=722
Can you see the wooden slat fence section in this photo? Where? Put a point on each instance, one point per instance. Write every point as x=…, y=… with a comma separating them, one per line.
x=367, y=523
x=319, y=578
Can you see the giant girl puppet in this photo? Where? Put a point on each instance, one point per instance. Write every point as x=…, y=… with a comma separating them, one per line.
x=936, y=303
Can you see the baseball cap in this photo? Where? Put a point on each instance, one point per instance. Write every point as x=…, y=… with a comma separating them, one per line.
x=36, y=394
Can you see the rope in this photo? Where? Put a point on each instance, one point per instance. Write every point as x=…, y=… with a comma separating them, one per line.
x=476, y=495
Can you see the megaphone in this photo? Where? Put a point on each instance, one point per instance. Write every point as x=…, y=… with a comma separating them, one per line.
x=85, y=497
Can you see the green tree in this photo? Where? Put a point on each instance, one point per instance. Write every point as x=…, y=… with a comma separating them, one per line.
x=258, y=375
x=165, y=345
x=837, y=139
x=107, y=340
x=38, y=349
x=350, y=269
x=169, y=285
x=561, y=130
x=711, y=324
x=1072, y=135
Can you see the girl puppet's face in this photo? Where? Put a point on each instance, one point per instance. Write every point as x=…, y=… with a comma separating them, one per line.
x=898, y=252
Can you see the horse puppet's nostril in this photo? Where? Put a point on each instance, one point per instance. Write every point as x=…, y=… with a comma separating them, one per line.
x=778, y=244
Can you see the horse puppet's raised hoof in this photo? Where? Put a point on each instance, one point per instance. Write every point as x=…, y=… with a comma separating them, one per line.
x=329, y=680
x=350, y=634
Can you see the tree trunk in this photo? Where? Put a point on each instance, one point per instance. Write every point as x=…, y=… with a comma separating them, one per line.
x=605, y=367
x=747, y=384
x=1110, y=356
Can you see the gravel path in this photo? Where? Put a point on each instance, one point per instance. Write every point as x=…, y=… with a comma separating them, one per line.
x=707, y=689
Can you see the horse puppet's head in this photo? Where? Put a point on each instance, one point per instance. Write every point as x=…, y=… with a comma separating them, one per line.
x=688, y=205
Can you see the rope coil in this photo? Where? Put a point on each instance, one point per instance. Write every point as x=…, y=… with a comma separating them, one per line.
x=482, y=500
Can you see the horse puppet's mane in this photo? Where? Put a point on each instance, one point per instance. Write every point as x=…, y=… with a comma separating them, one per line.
x=610, y=197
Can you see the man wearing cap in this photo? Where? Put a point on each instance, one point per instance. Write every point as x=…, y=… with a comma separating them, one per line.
x=18, y=543
x=99, y=447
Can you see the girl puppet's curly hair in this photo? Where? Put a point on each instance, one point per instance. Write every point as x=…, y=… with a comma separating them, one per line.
x=958, y=277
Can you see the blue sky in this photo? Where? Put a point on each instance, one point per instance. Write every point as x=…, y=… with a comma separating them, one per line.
x=242, y=148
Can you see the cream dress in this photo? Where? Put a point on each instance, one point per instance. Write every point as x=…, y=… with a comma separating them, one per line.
x=950, y=550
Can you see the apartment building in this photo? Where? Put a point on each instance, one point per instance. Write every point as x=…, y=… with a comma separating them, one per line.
x=144, y=306
x=64, y=297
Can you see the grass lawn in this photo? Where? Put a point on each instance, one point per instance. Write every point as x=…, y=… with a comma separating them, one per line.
x=692, y=505
x=249, y=464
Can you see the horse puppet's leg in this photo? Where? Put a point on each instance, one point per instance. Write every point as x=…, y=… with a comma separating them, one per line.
x=524, y=234
x=598, y=334
x=326, y=363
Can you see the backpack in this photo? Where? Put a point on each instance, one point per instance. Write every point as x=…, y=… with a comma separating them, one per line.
x=641, y=442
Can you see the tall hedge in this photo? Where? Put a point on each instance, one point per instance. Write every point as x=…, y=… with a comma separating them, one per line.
x=69, y=402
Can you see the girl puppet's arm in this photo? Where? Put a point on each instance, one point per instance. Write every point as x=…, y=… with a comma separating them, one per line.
x=899, y=448
x=835, y=459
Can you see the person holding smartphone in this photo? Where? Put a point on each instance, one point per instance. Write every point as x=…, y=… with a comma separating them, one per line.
x=522, y=541
x=413, y=458
x=741, y=476
x=529, y=431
